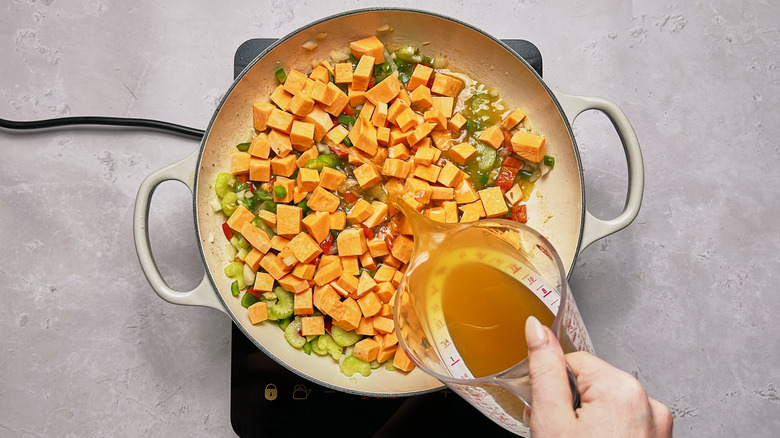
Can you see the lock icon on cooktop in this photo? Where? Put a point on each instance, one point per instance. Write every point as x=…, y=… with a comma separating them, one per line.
x=271, y=392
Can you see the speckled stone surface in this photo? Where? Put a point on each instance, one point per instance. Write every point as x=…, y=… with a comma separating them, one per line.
x=685, y=298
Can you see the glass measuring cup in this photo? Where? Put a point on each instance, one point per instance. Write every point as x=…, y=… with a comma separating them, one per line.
x=423, y=331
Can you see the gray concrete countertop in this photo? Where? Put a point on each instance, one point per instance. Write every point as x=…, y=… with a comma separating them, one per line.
x=685, y=298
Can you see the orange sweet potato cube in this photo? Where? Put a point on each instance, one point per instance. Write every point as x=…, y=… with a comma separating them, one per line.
x=319, y=73
x=240, y=163
x=493, y=201
x=461, y=153
x=281, y=98
x=303, y=303
x=366, y=350
x=438, y=119
x=312, y=326
x=366, y=261
x=356, y=97
x=253, y=259
x=406, y=120
x=367, y=176
x=396, y=168
x=307, y=179
x=512, y=119
x=323, y=200
x=421, y=98
x=288, y=220
x=258, y=312
x=325, y=298
x=295, y=81
x=465, y=193
x=346, y=284
x=264, y=282
x=343, y=73
x=300, y=105
x=304, y=271
x=384, y=91
x=402, y=361
x=280, y=120
x=366, y=284
x=383, y=324
x=379, y=118
x=293, y=284
x=327, y=273
x=385, y=353
x=278, y=242
x=450, y=175
x=350, y=316
x=302, y=135
x=287, y=186
x=287, y=259
x=305, y=248
x=336, y=135
x=446, y=85
x=256, y=237
x=340, y=101
x=444, y=105
x=259, y=169
x=359, y=212
x=272, y=265
x=331, y=178
x=450, y=212
x=370, y=46
x=384, y=274
x=366, y=327
x=402, y=248
x=442, y=193
x=317, y=224
x=456, y=122
x=260, y=114
x=529, y=146
x=240, y=217
x=395, y=109
x=284, y=166
x=428, y=173
x=425, y=156
x=377, y=248
x=421, y=131
x=321, y=120
x=351, y=242
x=363, y=72
x=385, y=291
x=259, y=146
x=493, y=136
x=350, y=265
x=383, y=136
x=398, y=151
x=420, y=76
x=378, y=215
x=472, y=212
x=279, y=143
x=337, y=220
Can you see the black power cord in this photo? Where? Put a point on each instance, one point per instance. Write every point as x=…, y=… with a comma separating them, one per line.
x=102, y=121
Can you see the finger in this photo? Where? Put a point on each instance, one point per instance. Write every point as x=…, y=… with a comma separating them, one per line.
x=550, y=391
x=588, y=370
x=662, y=418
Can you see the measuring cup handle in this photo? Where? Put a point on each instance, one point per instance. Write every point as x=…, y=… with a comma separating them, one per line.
x=594, y=228
x=203, y=294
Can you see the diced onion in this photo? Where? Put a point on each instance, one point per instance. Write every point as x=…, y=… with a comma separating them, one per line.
x=215, y=205
x=322, y=35
x=383, y=28
x=439, y=62
x=323, y=148
x=309, y=45
x=211, y=238
x=230, y=252
x=340, y=55
x=249, y=275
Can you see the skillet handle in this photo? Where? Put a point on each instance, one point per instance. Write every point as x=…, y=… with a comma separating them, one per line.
x=203, y=294
x=594, y=228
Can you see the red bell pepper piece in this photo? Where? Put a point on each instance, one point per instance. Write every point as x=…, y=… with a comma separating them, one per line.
x=520, y=214
x=252, y=291
x=507, y=139
x=339, y=150
x=368, y=232
x=327, y=244
x=511, y=161
x=349, y=111
x=350, y=197
x=227, y=231
x=242, y=178
x=506, y=177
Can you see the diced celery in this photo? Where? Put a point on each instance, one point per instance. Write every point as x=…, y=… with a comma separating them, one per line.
x=284, y=307
x=389, y=364
x=222, y=183
x=248, y=299
x=406, y=53
x=315, y=347
x=234, y=269
x=292, y=336
x=229, y=203
x=374, y=364
x=486, y=156
x=344, y=338
x=283, y=323
x=352, y=365
x=326, y=342
x=259, y=223
x=242, y=243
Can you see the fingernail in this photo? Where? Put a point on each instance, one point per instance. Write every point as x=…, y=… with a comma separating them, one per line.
x=535, y=336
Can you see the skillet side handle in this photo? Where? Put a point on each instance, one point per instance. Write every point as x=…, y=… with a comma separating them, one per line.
x=203, y=294
x=595, y=228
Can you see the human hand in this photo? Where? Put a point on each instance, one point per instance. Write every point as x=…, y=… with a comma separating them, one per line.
x=613, y=403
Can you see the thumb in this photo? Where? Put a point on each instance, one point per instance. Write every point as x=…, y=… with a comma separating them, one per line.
x=550, y=391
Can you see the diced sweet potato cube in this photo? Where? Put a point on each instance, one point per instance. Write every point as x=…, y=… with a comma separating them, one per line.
x=385, y=353
x=281, y=98
x=259, y=169
x=379, y=118
x=298, y=194
x=383, y=324
x=304, y=271
x=337, y=220
x=295, y=81
x=319, y=73
x=300, y=105
x=366, y=139
x=303, y=303
x=378, y=215
x=322, y=122
x=287, y=194
x=461, y=153
x=514, y=195
x=323, y=200
x=284, y=166
x=308, y=179
x=383, y=136
x=395, y=109
x=385, y=290
x=365, y=285
x=305, y=248
x=370, y=46
x=421, y=98
x=327, y=273
x=445, y=85
x=253, y=259
x=351, y=242
x=421, y=131
x=465, y=193
x=398, y=151
x=263, y=282
x=402, y=361
x=436, y=118
x=317, y=224
x=436, y=214
x=350, y=315
x=239, y=218
x=512, y=119
x=444, y=105
x=287, y=259
x=418, y=190
x=367, y=176
x=272, y=265
x=449, y=175
x=450, y=212
x=259, y=146
x=428, y=173
x=260, y=114
x=258, y=312
x=346, y=284
x=529, y=146
x=339, y=102
x=288, y=220
x=325, y=298
x=389, y=260
x=366, y=327
x=240, y=163
x=343, y=73
x=322, y=94
x=312, y=326
x=350, y=265
x=256, y=237
x=293, y=284
x=377, y=248
x=361, y=211
x=336, y=135
x=472, y=211
x=363, y=72
x=280, y=120
x=420, y=76
x=356, y=97
x=406, y=120
x=442, y=139
x=309, y=154
x=278, y=242
x=402, y=248
x=384, y=274
x=302, y=135
x=366, y=261
x=456, y=122
x=366, y=350
x=442, y=193
x=331, y=178
x=493, y=201
x=493, y=136
x=279, y=143
x=396, y=168
x=384, y=91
